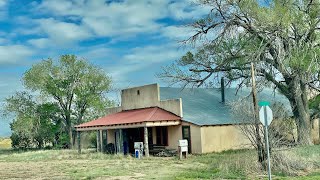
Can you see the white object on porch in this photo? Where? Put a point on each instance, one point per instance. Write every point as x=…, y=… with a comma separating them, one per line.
x=183, y=148
x=138, y=149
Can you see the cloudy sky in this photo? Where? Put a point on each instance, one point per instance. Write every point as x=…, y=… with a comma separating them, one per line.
x=129, y=39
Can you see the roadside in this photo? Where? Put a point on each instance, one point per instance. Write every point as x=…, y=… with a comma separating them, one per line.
x=67, y=164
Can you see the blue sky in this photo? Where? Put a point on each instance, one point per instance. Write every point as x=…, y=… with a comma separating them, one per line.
x=130, y=40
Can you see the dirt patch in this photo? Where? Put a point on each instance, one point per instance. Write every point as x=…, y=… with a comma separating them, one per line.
x=134, y=176
x=23, y=170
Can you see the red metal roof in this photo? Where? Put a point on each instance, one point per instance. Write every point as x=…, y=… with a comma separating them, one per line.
x=132, y=116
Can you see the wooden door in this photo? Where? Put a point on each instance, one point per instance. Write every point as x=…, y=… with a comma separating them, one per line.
x=186, y=135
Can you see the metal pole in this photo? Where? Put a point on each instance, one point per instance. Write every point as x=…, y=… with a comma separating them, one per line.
x=267, y=140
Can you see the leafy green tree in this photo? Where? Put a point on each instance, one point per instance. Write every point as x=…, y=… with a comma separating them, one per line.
x=281, y=37
x=34, y=124
x=77, y=86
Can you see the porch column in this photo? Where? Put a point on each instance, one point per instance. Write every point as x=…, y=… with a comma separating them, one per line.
x=98, y=141
x=146, y=146
x=101, y=141
x=79, y=142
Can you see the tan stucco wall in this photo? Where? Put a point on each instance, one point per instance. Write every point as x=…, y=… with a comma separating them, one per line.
x=110, y=136
x=113, y=110
x=149, y=96
x=174, y=135
x=195, y=131
x=154, y=135
x=172, y=105
x=220, y=138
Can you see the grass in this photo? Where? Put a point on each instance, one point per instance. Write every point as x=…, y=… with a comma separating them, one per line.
x=67, y=164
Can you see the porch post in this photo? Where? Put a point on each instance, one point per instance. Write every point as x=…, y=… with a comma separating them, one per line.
x=146, y=146
x=79, y=142
x=101, y=141
x=98, y=141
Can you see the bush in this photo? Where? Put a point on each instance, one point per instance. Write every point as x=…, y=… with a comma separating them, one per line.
x=20, y=141
x=93, y=139
x=287, y=163
x=62, y=141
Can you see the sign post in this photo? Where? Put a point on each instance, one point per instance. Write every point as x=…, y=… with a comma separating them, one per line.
x=266, y=116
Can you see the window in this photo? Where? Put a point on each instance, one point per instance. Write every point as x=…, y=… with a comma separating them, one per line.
x=162, y=136
x=138, y=92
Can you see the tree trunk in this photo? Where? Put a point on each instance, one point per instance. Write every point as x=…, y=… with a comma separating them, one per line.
x=260, y=149
x=70, y=132
x=303, y=126
x=300, y=109
x=79, y=142
x=70, y=137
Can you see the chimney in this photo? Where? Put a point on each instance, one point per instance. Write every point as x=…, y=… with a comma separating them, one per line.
x=222, y=90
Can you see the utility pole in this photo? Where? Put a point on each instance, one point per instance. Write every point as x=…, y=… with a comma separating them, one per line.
x=256, y=116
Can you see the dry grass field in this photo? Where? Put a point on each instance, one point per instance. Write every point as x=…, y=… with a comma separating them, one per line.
x=67, y=164
x=5, y=143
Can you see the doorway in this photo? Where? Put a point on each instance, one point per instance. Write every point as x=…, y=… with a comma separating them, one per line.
x=186, y=135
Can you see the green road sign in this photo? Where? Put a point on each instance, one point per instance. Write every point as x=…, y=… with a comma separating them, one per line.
x=264, y=103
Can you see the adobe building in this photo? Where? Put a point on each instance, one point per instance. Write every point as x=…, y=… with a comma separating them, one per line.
x=162, y=116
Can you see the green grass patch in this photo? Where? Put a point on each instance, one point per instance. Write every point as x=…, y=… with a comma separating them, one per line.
x=68, y=164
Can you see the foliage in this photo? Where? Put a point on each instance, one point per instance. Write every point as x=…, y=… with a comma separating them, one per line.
x=93, y=139
x=74, y=84
x=34, y=125
x=281, y=37
x=67, y=92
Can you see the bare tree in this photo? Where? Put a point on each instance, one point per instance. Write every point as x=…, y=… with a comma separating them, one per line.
x=281, y=131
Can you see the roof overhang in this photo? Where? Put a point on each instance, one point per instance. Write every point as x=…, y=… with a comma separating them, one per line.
x=146, y=117
x=131, y=125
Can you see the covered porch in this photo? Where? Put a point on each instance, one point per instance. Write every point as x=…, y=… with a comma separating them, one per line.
x=116, y=133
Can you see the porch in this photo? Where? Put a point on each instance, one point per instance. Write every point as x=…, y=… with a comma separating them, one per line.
x=116, y=133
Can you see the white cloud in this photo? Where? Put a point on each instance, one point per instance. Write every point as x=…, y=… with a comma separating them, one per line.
x=4, y=40
x=153, y=54
x=187, y=9
x=177, y=33
x=40, y=43
x=96, y=53
x=3, y=3
x=113, y=19
x=63, y=32
x=142, y=58
x=3, y=9
x=121, y=19
x=14, y=53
